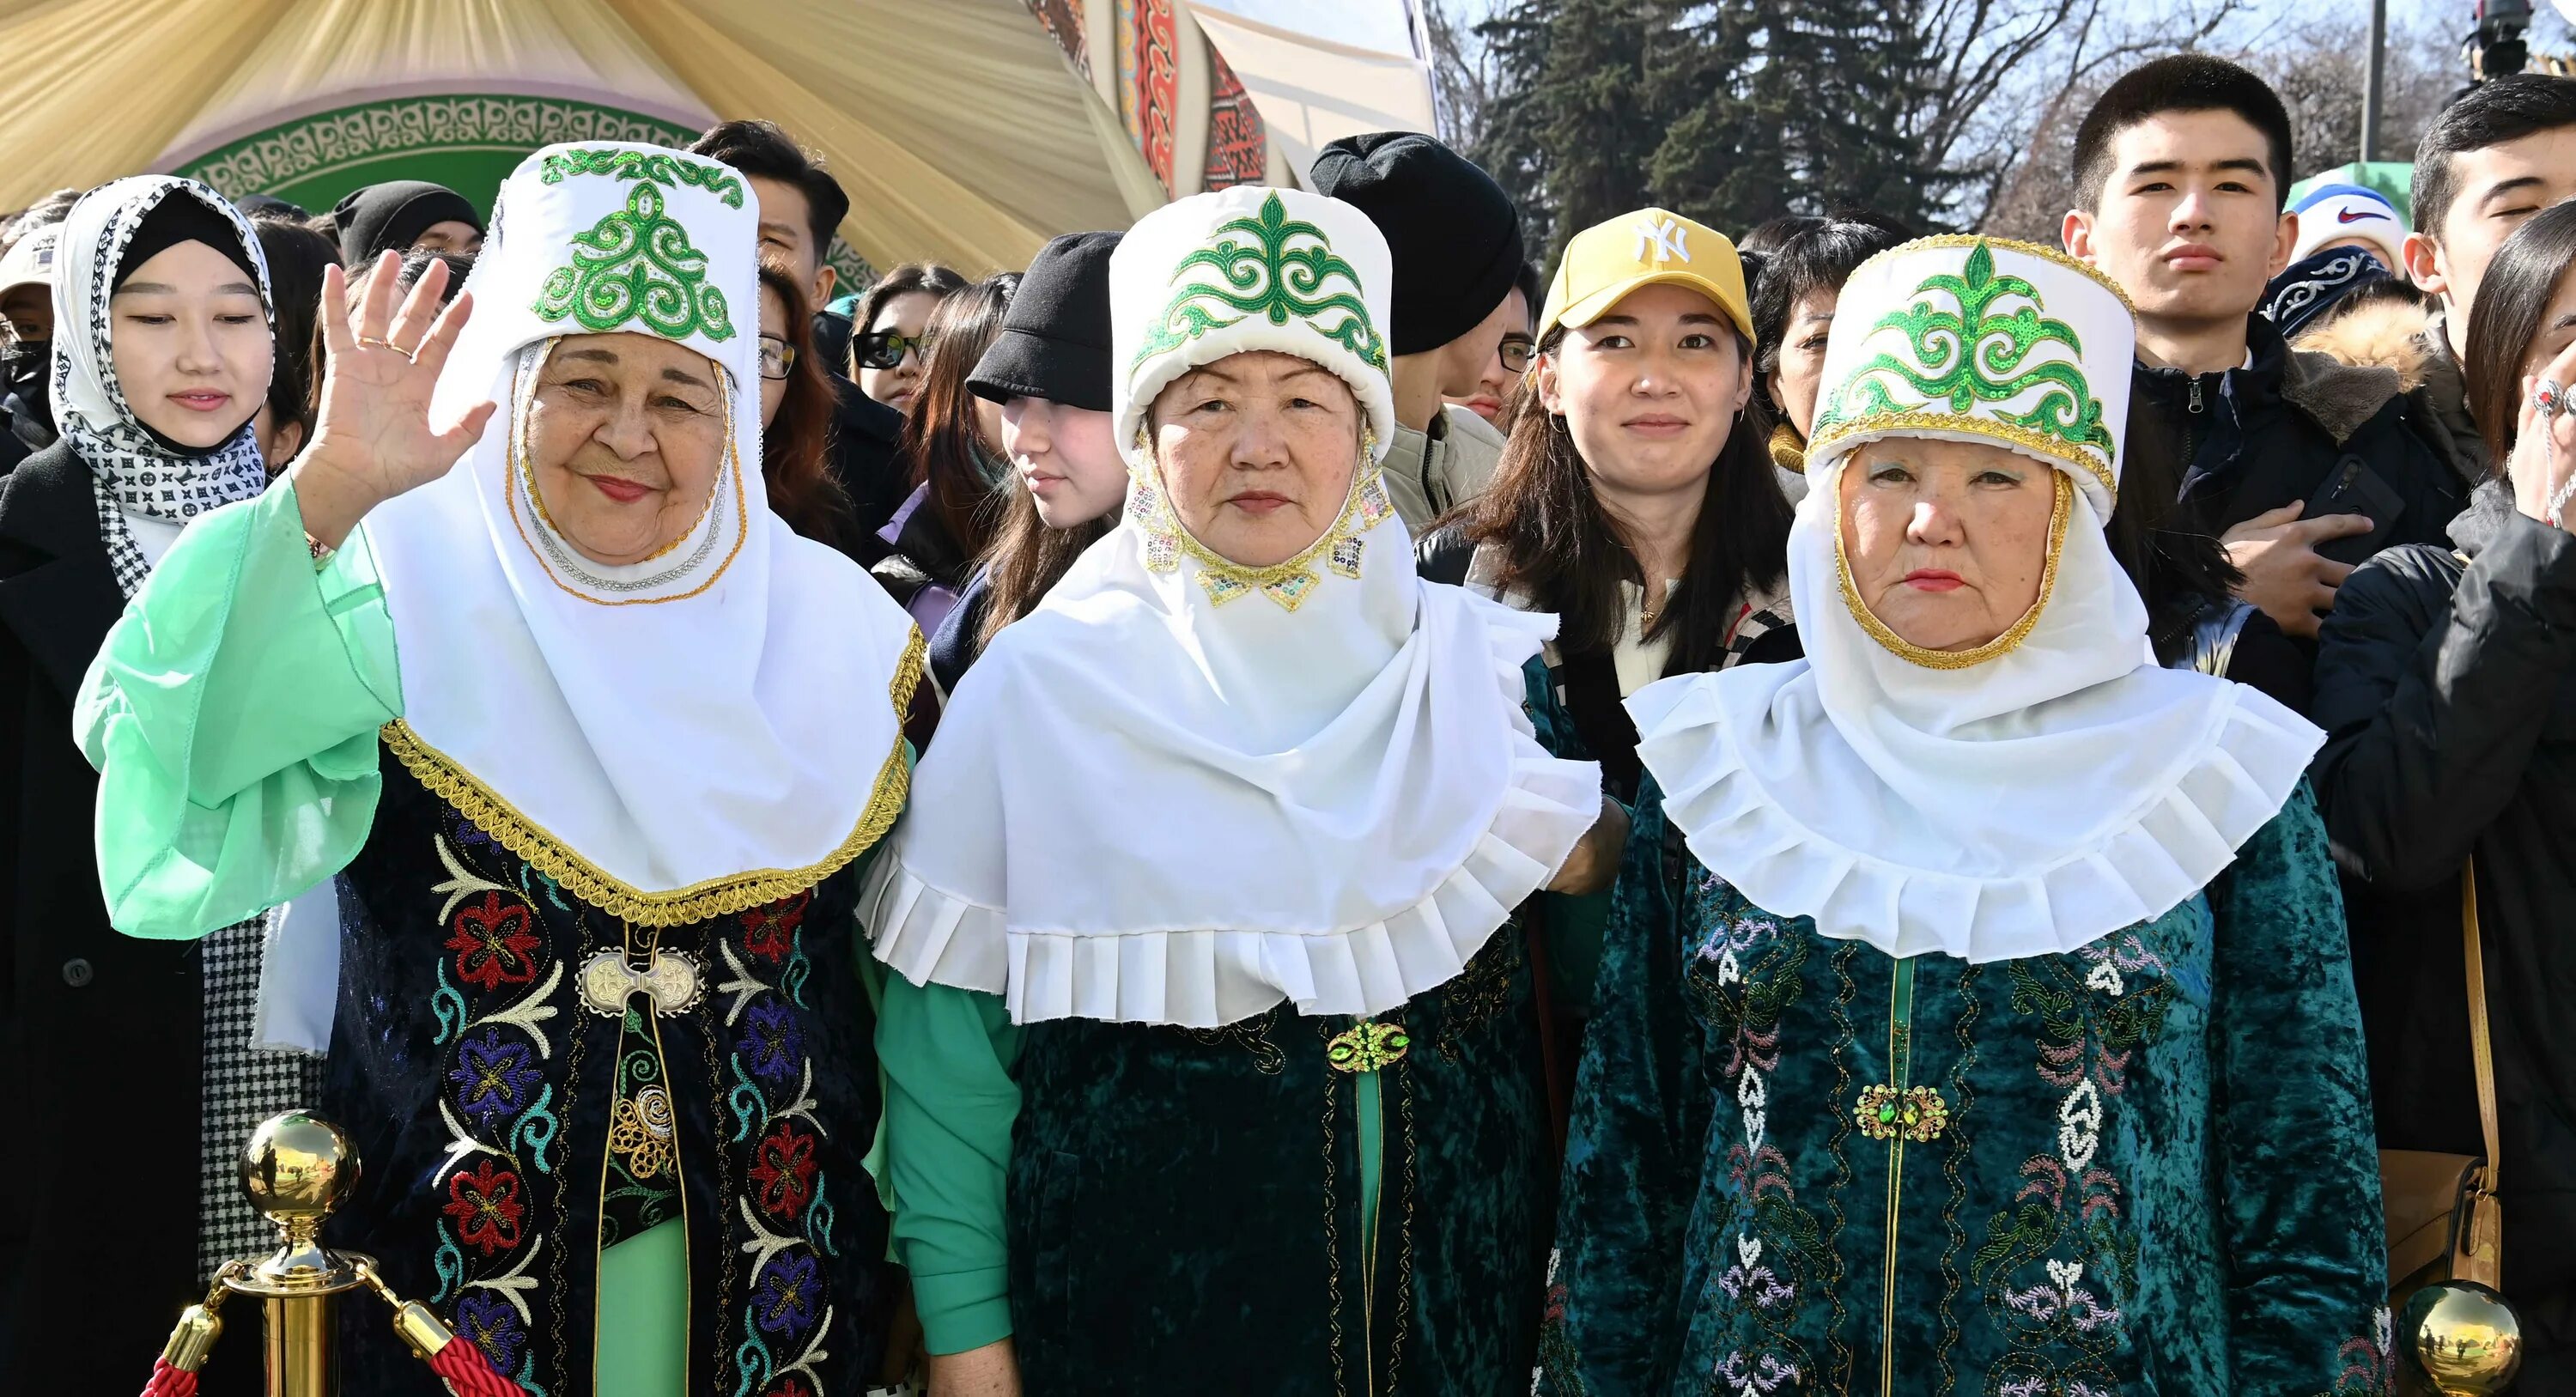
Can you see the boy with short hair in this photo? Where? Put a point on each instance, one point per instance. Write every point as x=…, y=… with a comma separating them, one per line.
x=2302, y=465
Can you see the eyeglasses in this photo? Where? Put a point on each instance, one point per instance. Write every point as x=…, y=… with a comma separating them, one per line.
x=883, y=349
x=777, y=357
x=1515, y=353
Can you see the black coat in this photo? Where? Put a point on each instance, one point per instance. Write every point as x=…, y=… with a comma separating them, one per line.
x=98, y=1184
x=2256, y=438
x=2447, y=684
x=867, y=460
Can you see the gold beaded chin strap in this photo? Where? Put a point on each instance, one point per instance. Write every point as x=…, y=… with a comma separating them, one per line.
x=2013, y=635
x=1341, y=547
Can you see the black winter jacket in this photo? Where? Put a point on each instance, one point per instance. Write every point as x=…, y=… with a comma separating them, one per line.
x=2446, y=680
x=2256, y=438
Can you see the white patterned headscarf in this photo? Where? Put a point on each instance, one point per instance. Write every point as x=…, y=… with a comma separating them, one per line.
x=137, y=470
x=134, y=470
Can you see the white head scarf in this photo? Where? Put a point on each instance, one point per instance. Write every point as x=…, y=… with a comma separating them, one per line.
x=1181, y=790
x=135, y=470
x=680, y=738
x=2022, y=799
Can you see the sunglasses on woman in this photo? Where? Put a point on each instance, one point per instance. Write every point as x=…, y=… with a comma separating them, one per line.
x=883, y=349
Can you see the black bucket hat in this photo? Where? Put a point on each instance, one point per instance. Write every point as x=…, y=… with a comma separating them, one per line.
x=1054, y=342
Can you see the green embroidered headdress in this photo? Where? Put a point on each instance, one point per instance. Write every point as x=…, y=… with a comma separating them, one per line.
x=1250, y=269
x=1981, y=339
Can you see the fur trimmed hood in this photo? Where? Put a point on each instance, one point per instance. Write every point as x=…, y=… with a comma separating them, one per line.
x=2379, y=334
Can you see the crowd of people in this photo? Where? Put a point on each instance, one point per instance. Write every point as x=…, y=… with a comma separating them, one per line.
x=1285, y=801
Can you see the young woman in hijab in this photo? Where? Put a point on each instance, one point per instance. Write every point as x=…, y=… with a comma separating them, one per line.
x=162, y=355
x=891, y=335
x=1258, y=941
x=296, y=257
x=590, y=735
x=952, y=440
x=401, y=215
x=1049, y=372
x=796, y=412
x=1977, y=1012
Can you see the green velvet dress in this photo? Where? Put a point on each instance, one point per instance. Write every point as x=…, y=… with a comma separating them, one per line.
x=1801, y=1166
x=1287, y=1204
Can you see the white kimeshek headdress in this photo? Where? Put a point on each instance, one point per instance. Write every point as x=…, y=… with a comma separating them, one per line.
x=711, y=729
x=2019, y=799
x=1181, y=790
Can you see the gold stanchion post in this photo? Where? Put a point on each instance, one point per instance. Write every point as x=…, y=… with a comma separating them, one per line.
x=297, y=1168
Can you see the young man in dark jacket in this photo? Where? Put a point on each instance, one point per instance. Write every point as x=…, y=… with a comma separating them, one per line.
x=800, y=206
x=2302, y=465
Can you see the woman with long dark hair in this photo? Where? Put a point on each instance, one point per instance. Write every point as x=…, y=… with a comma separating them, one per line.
x=1636, y=500
x=1049, y=370
x=796, y=413
x=952, y=446
x=2442, y=682
x=890, y=339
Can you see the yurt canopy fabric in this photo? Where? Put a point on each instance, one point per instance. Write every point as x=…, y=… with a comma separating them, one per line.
x=964, y=130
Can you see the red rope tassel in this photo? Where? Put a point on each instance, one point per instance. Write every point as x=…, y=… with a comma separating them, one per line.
x=170, y=1382
x=468, y=1373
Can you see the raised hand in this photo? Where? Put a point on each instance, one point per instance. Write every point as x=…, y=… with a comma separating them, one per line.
x=374, y=439
x=2544, y=446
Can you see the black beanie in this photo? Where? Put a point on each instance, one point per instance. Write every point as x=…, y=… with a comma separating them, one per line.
x=390, y=217
x=1054, y=342
x=1454, y=234
x=181, y=217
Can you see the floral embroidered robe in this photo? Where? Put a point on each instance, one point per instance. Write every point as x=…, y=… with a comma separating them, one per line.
x=511, y=1130
x=2143, y=1167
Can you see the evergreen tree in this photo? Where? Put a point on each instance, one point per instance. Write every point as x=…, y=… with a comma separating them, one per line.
x=1577, y=123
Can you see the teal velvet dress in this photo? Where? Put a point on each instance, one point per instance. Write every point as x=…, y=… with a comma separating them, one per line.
x=2142, y=1167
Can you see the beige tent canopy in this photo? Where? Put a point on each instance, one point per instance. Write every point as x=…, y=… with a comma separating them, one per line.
x=965, y=130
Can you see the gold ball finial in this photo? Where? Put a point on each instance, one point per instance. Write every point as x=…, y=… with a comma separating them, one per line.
x=2463, y=1337
x=298, y=1166
x=298, y=1169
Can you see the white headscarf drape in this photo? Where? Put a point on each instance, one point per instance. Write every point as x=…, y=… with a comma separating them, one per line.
x=2029, y=802
x=1181, y=791
x=689, y=736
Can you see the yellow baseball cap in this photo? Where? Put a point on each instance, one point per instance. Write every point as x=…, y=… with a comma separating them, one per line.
x=1608, y=260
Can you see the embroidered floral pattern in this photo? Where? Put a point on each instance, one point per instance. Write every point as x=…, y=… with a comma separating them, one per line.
x=1743, y=975
x=494, y=1079
x=661, y=167
x=492, y=943
x=770, y=932
x=784, y=1170
x=781, y=1221
x=486, y=1207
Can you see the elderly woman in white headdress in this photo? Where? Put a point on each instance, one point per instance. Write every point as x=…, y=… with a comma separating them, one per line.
x=586, y=731
x=1212, y=1062
x=1976, y=1014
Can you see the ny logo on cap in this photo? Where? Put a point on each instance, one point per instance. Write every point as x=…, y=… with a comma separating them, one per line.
x=1661, y=239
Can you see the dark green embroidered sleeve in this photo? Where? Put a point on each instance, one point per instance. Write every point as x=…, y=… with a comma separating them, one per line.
x=2297, y=1169
x=1637, y=1141
x=1573, y=926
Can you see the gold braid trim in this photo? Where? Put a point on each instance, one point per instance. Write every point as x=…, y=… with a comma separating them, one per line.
x=1922, y=420
x=716, y=897
x=1961, y=659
